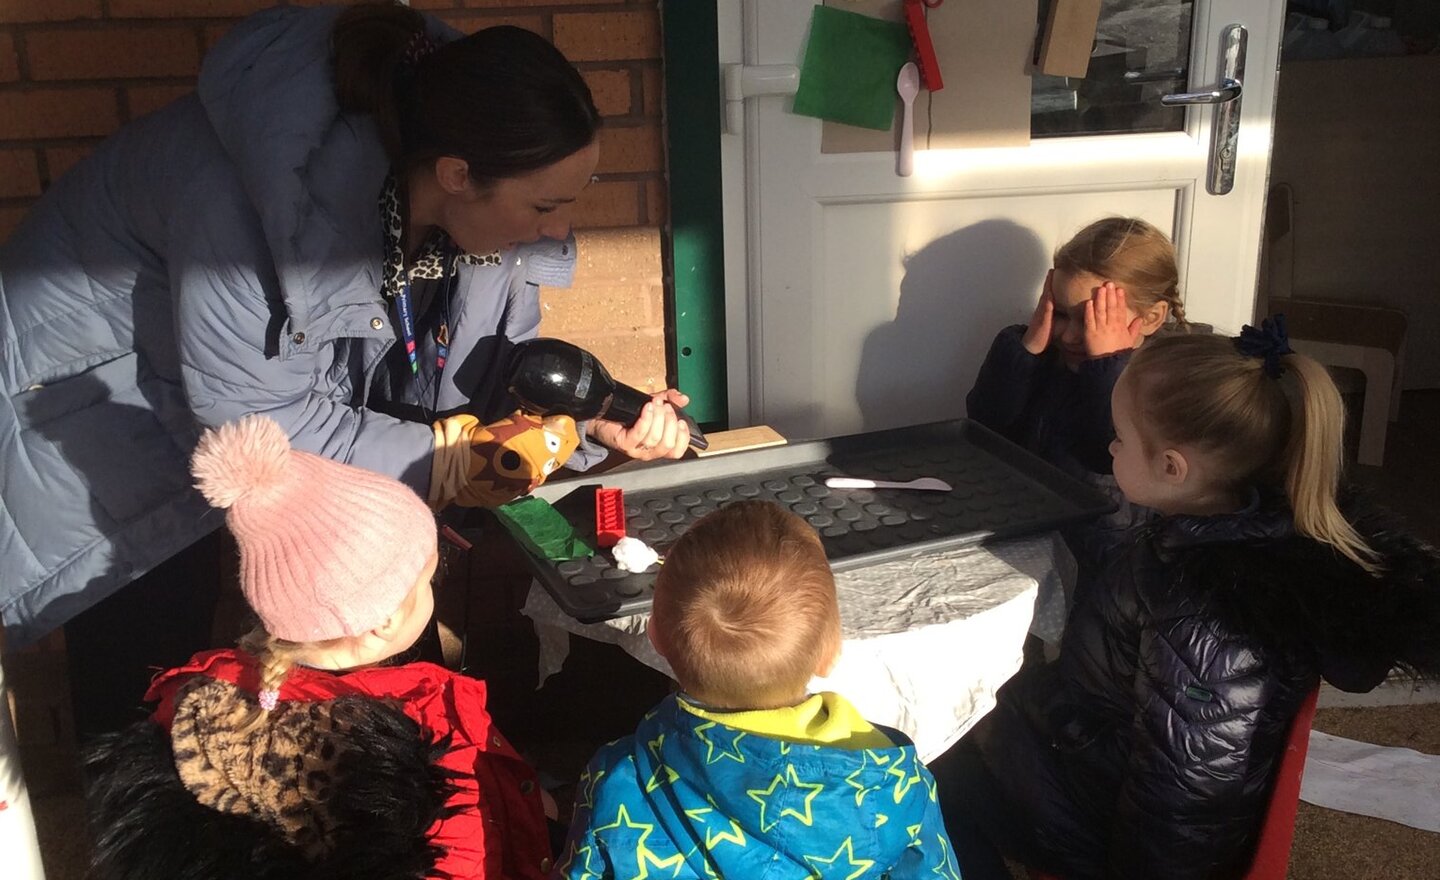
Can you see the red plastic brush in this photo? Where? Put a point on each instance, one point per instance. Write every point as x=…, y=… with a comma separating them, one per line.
x=924, y=47
x=609, y=517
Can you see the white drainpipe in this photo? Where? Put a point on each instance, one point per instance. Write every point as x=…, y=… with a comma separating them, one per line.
x=17, y=823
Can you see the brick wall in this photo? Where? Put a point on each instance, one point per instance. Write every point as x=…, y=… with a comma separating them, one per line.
x=616, y=307
x=72, y=71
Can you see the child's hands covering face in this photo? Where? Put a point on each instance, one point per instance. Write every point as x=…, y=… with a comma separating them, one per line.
x=1109, y=326
x=1037, y=335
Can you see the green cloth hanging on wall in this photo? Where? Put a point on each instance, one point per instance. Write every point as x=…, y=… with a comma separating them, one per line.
x=851, y=63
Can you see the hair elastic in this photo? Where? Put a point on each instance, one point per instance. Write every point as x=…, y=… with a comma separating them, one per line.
x=420, y=47
x=1269, y=343
x=269, y=699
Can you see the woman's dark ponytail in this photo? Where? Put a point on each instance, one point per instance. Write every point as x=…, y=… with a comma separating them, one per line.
x=369, y=43
x=503, y=99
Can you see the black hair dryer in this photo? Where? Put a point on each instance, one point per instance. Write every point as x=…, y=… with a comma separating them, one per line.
x=555, y=377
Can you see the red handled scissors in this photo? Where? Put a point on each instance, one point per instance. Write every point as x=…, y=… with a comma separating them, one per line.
x=924, y=47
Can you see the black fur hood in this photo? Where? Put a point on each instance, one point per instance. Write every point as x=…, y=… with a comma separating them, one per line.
x=388, y=794
x=1253, y=572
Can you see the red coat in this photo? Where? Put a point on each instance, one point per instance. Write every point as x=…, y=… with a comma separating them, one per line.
x=498, y=830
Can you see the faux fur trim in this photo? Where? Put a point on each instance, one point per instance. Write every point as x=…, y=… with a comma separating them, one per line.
x=389, y=793
x=1302, y=596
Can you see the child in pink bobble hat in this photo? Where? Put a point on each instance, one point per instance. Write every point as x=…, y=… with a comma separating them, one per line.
x=336, y=562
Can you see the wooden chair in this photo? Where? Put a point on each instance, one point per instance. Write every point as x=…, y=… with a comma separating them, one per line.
x=1365, y=338
x=1349, y=336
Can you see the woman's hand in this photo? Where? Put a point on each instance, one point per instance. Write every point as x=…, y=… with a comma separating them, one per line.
x=1108, y=325
x=1037, y=335
x=658, y=433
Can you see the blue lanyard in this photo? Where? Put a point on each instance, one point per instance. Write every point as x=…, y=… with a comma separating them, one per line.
x=442, y=332
x=407, y=327
x=406, y=312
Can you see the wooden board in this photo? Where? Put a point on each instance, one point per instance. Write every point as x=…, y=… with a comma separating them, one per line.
x=754, y=437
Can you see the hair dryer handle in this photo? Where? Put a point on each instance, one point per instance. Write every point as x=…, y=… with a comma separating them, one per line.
x=697, y=437
x=628, y=401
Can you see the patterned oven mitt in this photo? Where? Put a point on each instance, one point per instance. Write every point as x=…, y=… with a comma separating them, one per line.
x=479, y=465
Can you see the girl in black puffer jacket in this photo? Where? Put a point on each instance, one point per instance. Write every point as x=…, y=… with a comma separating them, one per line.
x=1148, y=748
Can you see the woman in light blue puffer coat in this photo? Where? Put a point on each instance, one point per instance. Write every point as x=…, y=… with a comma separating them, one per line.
x=342, y=189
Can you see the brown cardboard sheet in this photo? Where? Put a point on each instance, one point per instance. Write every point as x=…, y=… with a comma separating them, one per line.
x=985, y=49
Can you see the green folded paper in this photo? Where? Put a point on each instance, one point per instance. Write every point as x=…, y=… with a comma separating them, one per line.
x=542, y=530
x=851, y=63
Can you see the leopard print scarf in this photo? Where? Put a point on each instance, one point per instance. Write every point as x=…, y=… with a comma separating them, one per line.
x=430, y=263
x=281, y=771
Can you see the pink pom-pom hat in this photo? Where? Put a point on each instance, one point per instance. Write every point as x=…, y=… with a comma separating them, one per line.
x=326, y=549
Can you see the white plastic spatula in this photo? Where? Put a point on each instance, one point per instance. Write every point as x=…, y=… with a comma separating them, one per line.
x=930, y=484
x=908, y=85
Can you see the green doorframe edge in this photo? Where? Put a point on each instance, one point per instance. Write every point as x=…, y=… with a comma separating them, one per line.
x=696, y=253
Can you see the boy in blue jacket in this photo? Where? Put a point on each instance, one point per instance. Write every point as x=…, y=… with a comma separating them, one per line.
x=742, y=773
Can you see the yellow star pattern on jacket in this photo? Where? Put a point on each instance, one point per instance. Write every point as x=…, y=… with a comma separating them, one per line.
x=661, y=768
x=861, y=866
x=948, y=867
x=786, y=780
x=585, y=856
x=904, y=778
x=644, y=857
x=585, y=794
x=727, y=750
x=861, y=789
x=692, y=798
x=735, y=835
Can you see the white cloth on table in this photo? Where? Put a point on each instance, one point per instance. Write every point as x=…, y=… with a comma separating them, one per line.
x=928, y=640
x=1056, y=574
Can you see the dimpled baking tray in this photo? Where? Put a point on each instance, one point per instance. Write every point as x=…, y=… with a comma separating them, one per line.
x=1000, y=491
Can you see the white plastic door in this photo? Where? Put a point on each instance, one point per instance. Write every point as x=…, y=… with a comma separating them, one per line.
x=860, y=300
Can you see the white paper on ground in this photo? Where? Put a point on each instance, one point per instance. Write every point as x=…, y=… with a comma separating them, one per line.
x=1400, y=785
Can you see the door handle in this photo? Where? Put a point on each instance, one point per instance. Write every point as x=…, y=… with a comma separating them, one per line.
x=1229, y=90
x=1225, y=98
x=741, y=81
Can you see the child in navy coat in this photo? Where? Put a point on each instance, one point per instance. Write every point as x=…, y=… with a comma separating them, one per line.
x=1046, y=385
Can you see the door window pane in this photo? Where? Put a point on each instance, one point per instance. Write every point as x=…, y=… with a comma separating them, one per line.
x=1142, y=51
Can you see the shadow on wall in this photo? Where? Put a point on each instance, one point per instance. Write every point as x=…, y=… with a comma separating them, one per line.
x=957, y=292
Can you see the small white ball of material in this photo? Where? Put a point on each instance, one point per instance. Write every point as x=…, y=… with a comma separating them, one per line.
x=634, y=555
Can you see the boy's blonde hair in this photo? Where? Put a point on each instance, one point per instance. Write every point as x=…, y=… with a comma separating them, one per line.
x=1201, y=391
x=745, y=607
x=1132, y=253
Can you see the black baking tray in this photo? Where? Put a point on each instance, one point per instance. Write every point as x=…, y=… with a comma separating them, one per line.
x=1001, y=491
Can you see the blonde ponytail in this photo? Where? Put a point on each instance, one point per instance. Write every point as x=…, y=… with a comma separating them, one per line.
x=1202, y=391
x=1313, y=459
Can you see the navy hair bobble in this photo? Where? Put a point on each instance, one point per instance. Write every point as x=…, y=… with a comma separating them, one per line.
x=1269, y=343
